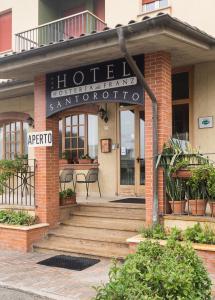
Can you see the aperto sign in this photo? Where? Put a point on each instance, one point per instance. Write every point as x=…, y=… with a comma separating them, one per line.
x=40, y=139
x=111, y=81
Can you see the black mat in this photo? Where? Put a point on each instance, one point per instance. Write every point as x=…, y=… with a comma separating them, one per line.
x=130, y=200
x=69, y=262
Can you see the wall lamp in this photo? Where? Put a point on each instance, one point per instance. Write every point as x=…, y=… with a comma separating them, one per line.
x=30, y=122
x=103, y=113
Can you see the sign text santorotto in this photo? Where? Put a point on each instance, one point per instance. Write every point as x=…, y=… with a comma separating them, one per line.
x=111, y=81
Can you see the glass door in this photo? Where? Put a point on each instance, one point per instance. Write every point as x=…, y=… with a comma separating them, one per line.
x=131, y=151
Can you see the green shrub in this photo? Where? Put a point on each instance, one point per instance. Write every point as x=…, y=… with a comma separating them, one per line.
x=195, y=234
x=16, y=218
x=157, y=272
x=68, y=193
x=198, y=234
x=156, y=232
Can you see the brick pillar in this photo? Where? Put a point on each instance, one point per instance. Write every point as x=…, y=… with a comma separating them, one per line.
x=47, y=160
x=158, y=76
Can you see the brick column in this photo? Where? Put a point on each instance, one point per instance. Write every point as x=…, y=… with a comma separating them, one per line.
x=47, y=160
x=158, y=76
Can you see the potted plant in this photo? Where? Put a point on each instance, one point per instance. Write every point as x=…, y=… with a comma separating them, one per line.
x=67, y=197
x=181, y=169
x=64, y=158
x=197, y=190
x=211, y=189
x=85, y=159
x=176, y=194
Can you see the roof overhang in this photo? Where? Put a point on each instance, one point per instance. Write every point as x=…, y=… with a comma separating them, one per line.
x=187, y=45
x=16, y=89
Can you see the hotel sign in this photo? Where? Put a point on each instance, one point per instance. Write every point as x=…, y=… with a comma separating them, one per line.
x=111, y=81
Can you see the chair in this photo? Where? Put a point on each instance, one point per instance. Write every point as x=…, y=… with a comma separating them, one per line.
x=90, y=177
x=67, y=176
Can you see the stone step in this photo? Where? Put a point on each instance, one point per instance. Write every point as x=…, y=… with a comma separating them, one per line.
x=124, y=214
x=93, y=234
x=110, y=207
x=105, y=223
x=81, y=246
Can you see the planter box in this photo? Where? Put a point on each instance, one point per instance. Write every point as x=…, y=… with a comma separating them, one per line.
x=68, y=201
x=85, y=161
x=21, y=238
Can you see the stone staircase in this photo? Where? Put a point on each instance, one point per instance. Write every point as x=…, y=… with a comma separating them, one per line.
x=95, y=229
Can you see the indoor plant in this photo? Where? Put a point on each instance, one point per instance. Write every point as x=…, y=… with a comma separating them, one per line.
x=197, y=190
x=85, y=159
x=67, y=197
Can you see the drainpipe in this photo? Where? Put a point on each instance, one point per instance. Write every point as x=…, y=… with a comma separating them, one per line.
x=131, y=62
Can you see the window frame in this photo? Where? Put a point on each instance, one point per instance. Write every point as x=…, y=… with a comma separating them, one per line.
x=189, y=100
x=63, y=120
x=4, y=135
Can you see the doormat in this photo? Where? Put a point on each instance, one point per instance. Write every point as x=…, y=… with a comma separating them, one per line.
x=131, y=200
x=69, y=262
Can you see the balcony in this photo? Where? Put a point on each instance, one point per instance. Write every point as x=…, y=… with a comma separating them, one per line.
x=61, y=29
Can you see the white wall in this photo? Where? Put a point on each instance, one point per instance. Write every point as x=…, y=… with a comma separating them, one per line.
x=24, y=14
x=195, y=12
x=204, y=105
x=121, y=11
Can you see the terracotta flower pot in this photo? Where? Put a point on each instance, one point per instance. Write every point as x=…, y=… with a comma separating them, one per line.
x=178, y=207
x=212, y=207
x=197, y=207
x=68, y=201
x=85, y=161
x=183, y=173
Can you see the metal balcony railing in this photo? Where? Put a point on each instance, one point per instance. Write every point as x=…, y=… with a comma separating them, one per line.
x=62, y=29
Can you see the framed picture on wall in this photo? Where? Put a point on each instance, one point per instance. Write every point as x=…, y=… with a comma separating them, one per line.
x=106, y=145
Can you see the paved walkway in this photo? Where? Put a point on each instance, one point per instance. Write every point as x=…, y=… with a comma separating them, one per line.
x=21, y=272
x=21, y=278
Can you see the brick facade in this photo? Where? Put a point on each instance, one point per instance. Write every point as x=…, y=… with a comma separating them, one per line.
x=47, y=159
x=158, y=76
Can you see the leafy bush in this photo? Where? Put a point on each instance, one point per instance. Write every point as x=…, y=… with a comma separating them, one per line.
x=16, y=218
x=68, y=193
x=156, y=232
x=197, y=234
x=8, y=168
x=157, y=272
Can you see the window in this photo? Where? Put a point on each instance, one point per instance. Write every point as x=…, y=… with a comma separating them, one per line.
x=13, y=139
x=181, y=122
x=181, y=105
x=79, y=135
x=151, y=5
x=5, y=31
x=180, y=86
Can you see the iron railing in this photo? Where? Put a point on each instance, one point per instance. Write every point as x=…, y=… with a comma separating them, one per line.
x=61, y=29
x=19, y=189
